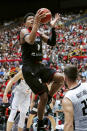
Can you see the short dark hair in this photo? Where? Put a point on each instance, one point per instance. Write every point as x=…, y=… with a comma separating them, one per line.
x=71, y=72
x=28, y=14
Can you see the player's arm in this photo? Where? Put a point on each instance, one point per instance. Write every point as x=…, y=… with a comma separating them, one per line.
x=69, y=114
x=10, y=83
x=52, y=39
x=30, y=37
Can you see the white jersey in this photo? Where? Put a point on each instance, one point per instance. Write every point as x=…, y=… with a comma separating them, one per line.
x=78, y=96
x=22, y=93
x=22, y=87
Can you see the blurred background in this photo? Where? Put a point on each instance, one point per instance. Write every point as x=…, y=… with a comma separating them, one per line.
x=12, y=9
x=71, y=45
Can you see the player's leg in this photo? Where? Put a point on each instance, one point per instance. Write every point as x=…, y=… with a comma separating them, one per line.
x=58, y=82
x=41, y=109
x=24, y=106
x=20, y=129
x=38, y=88
x=9, y=125
x=52, y=121
x=33, y=112
x=14, y=108
x=21, y=121
x=30, y=119
x=48, y=76
x=10, y=120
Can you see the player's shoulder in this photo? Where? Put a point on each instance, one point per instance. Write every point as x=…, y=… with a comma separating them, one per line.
x=84, y=84
x=24, y=30
x=66, y=101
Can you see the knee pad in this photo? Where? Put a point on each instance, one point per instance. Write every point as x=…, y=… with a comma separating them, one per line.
x=22, y=119
x=12, y=115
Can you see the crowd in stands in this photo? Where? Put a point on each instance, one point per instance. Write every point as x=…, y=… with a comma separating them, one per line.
x=71, y=47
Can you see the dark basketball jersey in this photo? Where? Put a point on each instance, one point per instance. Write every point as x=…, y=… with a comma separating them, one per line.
x=34, y=72
x=32, y=52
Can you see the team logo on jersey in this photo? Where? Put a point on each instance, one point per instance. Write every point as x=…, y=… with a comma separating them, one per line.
x=38, y=47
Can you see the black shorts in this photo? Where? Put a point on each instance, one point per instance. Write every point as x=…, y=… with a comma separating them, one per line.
x=36, y=75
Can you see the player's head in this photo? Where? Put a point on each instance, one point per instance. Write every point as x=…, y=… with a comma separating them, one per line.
x=71, y=73
x=29, y=19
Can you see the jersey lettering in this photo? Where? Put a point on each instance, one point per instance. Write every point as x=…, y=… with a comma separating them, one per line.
x=85, y=107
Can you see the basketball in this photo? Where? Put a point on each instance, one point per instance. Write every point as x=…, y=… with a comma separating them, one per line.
x=48, y=15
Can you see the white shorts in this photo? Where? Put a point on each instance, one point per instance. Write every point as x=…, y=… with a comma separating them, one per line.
x=21, y=101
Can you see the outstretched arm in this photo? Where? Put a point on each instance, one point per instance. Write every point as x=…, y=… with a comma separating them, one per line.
x=69, y=114
x=30, y=37
x=52, y=40
x=53, y=22
x=9, y=85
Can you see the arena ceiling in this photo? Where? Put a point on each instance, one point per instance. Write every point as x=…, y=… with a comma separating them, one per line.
x=12, y=9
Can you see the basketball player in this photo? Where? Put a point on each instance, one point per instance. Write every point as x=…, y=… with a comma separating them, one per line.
x=75, y=101
x=21, y=101
x=34, y=72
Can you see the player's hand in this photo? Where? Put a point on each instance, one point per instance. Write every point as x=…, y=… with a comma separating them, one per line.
x=39, y=15
x=53, y=22
x=5, y=99
x=57, y=16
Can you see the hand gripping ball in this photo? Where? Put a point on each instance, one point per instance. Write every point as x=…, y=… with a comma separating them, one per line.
x=48, y=16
